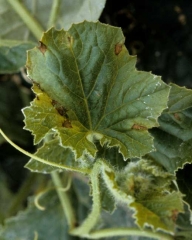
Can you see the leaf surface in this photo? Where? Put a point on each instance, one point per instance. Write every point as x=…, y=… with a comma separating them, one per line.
x=52, y=152
x=70, y=11
x=159, y=212
x=13, y=55
x=180, y=98
x=89, y=72
x=154, y=201
x=34, y=223
x=173, y=138
x=12, y=52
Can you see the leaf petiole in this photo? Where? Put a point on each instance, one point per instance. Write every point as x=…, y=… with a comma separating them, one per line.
x=54, y=13
x=27, y=18
x=53, y=164
x=64, y=199
x=112, y=232
x=92, y=218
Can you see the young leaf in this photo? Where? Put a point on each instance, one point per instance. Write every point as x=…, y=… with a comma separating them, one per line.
x=147, y=190
x=89, y=72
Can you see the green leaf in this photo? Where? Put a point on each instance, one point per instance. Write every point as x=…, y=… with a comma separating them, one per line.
x=13, y=55
x=75, y=12
x=168, y=152
x=89, y=72
x=154, y=200
x=49, y=116
x=16, y=26
x=173, y=138
x=52, y=152
x=68, y=12
x=178, y=124
x=184, y=225
x=159, y=212
x=177, y=119
x=36, y=224
x=180, y=99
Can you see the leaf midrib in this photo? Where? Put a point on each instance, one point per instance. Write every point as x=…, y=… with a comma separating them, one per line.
x=84, y=97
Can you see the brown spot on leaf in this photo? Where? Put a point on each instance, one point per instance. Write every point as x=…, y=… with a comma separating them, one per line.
x=60, y=110
x=177, y=117
x=67, y=124
x=118, y=48
x=138, y=127
x=37, y=97
x=54, y=103
x=42, y=47
x=174, y=215
x=69, y=39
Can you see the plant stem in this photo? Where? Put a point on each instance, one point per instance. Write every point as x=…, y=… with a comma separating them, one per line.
x=27, y=18
x=112, y=232
x=92, y=218
x=64, y=199
x=54, y=13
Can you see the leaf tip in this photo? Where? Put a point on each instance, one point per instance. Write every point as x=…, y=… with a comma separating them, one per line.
x=67, y=124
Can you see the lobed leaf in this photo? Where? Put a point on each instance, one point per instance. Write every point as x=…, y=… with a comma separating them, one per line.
x=148, y=190
x=173, y=138
x=159, y=212
x=52, y=152
x=180, y=99
x=89, y=72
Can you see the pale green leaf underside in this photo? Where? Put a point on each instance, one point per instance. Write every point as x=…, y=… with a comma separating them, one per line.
x=13, y=55
x=89, y=72
x=13, y=28
x=69, y=11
